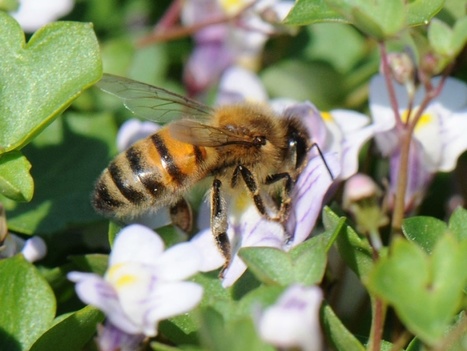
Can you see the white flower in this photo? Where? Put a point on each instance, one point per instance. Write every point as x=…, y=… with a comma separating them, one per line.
x=438, y=138
x=143, y=284
x=293, y=321
x=33, y=14
x=247, y=228
x=133, y=130
x=236, y=42
x=33, y=249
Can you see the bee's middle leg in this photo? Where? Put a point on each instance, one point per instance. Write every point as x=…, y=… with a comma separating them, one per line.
x=286, y=190
x=219, y=223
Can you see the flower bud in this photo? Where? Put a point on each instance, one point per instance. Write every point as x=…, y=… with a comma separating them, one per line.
x=402, y=68
x=362, y=199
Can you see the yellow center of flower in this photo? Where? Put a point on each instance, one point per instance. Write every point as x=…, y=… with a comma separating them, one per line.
x=327, y=117
x=232, y=7
x=117, y=276
x=424, y=119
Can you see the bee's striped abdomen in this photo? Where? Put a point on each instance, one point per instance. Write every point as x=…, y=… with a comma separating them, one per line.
x=152, y=173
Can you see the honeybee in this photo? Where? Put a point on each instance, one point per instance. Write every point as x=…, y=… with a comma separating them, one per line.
x=242, y=147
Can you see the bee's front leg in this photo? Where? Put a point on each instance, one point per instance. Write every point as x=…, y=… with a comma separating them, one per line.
x=219, y=224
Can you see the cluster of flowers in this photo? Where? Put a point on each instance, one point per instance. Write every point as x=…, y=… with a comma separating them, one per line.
x=145, y=284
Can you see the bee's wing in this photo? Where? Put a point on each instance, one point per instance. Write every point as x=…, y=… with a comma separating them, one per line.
x=150, y=102
x=197, y=133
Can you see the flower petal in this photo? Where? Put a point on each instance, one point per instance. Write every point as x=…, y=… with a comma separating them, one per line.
x=240, y=84
x=179, y=262
x=136, y=243
x=110, y=338
x=454, y=140
x=308, y=195
x=171, y=299
x=133, y=130
x=34, y=249
x=33, y=14
x=206, y=246
x=294, y=320
x=95, y=291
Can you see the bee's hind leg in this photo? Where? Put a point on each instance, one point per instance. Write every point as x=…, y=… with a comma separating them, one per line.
x=219, y=224
x=181, y=215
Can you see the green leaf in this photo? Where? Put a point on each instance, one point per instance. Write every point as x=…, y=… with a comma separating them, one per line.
x=382, y=19
x=313, y=11
x=9, y=5
x=92, y=263
x=15, y=181
x=459, y=36
x=458, y=224
x=41, y=78
x=425, y=231
x=425, y=290
x=269, y=264
x=67, y=157
x=339, y=336
x=27, y=303
x=322, y=85
x=440, y=37
x=309, y=260
x=71, y=333
x=239, y=334
x=349, y=47
x=446, y=41
x=419, y=12
x=304, y=264
x=355, y=251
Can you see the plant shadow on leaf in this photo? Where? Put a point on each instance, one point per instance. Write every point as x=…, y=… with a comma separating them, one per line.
x=8, y=342
x=66, y=161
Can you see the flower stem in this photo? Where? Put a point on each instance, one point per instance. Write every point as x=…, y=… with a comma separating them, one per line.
x=164, y=33
x=377, y=325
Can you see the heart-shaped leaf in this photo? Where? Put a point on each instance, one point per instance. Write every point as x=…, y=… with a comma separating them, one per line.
x=425, y=231
x=27, y=303
x=425, y=290
x=304, y=264
x=38, y=80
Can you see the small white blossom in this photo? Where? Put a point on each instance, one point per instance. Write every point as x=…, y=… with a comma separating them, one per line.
x=133, y=130
x=236, y=42
x=438, y=138
x=293, y=321
x=143, y=284
x=33, y=249
x=33, y=14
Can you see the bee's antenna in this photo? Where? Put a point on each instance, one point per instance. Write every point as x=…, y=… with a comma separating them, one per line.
x=324, y=160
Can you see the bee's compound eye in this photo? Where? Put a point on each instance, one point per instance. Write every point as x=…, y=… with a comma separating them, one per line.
x=260, y=140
